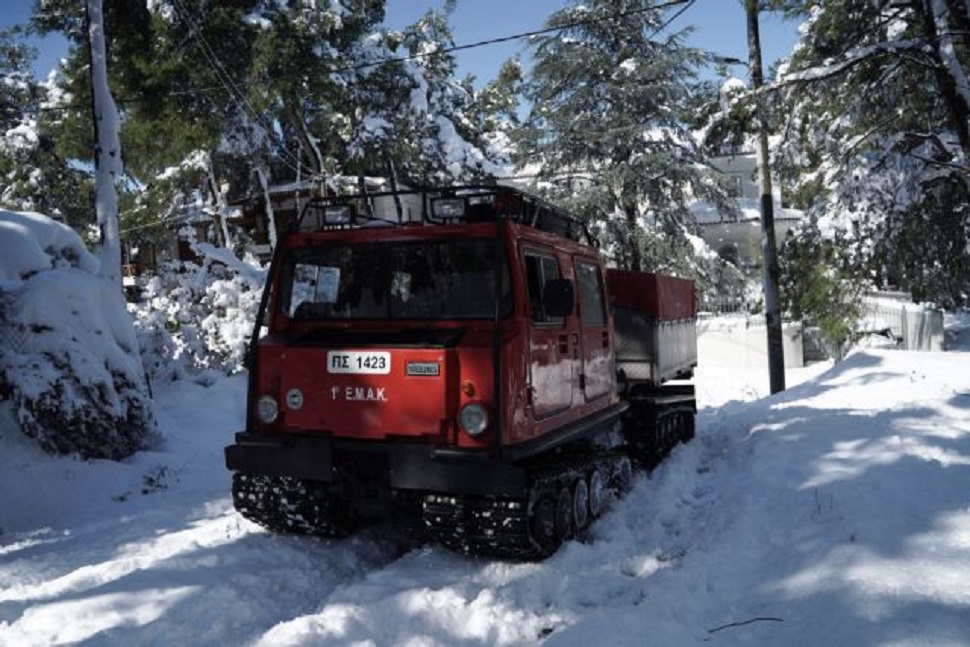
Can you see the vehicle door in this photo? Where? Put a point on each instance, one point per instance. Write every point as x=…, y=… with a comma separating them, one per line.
x=597, y=366
x=550, y=362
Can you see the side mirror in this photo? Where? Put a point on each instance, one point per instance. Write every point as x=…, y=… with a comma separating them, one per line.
x=558, y=298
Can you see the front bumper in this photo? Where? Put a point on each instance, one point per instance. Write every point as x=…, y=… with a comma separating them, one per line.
x=410, y=466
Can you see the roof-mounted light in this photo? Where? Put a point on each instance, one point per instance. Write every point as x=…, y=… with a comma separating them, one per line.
x=338, y=214
x=448, y=208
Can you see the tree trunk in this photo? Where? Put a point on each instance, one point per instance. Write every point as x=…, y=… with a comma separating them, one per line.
x=219, y=200
x=633, y=226
x=307, y=142
x=950, y=76
x=107, y=152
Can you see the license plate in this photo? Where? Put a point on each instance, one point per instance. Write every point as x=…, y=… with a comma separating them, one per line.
x=374, y=363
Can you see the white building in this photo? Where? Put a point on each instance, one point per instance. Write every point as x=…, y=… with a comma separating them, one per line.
x=737, y=238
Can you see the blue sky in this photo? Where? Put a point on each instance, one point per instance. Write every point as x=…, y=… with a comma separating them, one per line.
x=719, y=24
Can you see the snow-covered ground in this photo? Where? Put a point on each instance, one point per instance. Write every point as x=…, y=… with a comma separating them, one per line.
x=835, y=513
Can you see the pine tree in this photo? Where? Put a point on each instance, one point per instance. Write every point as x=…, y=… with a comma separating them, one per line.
x=33, y=177
x=608, y=130
x=442, y=143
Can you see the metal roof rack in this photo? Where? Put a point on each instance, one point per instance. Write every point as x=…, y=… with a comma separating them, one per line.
x=440, y=206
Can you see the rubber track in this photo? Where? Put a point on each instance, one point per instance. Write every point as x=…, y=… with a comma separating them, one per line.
x=500, y=527
x=286, y=504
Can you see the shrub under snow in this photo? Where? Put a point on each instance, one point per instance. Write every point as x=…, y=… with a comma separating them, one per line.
x=69, y=361
x=198, y=317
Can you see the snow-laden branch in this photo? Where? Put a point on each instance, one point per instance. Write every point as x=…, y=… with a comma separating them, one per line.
x=270, y=216
x=850, y=59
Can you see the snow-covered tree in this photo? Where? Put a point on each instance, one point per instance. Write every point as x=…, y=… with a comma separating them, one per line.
x=446, y=144
x=33, y=177
x=299, y=91
x=879, y=135
x=612, y=98
x=73, y=365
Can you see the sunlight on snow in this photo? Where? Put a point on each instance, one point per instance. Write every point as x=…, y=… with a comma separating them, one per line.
x=878, y=585
x=851, y=459
x=81, y=619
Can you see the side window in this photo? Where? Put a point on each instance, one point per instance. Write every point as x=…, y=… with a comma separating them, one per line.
x=538, y=270
x=590, y=293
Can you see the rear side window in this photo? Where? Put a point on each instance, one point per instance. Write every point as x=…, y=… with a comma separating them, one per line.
x=590, y=293
x=540, y=268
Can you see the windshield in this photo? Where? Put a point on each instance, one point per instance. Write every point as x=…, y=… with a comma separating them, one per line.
x=440, y=279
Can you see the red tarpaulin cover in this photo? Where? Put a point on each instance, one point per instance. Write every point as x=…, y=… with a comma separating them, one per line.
x=665, y=298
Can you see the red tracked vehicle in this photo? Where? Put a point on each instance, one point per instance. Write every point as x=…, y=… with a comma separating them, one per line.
x=467, y=363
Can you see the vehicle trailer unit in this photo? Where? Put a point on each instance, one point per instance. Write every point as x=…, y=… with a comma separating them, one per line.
x=655, y=321
x=459, y=359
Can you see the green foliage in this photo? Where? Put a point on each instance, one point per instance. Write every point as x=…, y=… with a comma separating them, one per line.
x=299, y=90
x=817, y=288
x=934, y=233
x=878, y=136
x=609, y=126
x=33, y=175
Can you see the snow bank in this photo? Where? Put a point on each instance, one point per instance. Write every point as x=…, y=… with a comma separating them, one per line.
x=30, y=243
x=70, y=360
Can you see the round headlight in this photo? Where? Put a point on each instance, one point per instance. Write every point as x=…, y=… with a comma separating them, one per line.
x=473, y=418
x=267, y=409
x=294, y=399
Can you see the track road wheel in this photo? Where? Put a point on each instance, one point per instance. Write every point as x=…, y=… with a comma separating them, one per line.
x=623, y=476
x=564, y=513
x=689, y=427
x=543, y=525
x=597, y=493
x=580, y=504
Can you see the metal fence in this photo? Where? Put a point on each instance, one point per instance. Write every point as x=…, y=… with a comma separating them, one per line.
x=892, y=314
x=913, y=326
x=724, y=305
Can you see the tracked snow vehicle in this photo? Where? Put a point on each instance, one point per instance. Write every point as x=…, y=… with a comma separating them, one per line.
x=462, y=359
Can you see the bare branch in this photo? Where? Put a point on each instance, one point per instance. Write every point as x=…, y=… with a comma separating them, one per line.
x=744, y=622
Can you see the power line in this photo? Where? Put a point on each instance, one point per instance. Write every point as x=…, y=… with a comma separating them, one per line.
x=160, y=223
x=549, y=30
x=423, y=55
x=238, y=97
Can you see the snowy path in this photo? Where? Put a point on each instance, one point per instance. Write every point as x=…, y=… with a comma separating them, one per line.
x=835, y=513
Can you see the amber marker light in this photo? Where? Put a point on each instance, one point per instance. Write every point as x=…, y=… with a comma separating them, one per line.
x=468, y=388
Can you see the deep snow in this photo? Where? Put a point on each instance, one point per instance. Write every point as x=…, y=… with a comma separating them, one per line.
x=837, y=512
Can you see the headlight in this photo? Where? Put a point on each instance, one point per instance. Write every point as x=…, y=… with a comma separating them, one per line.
x=267, y=409
x=294, y=399
x=473, y=418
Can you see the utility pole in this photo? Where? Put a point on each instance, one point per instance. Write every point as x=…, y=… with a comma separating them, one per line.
x=776, y=353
